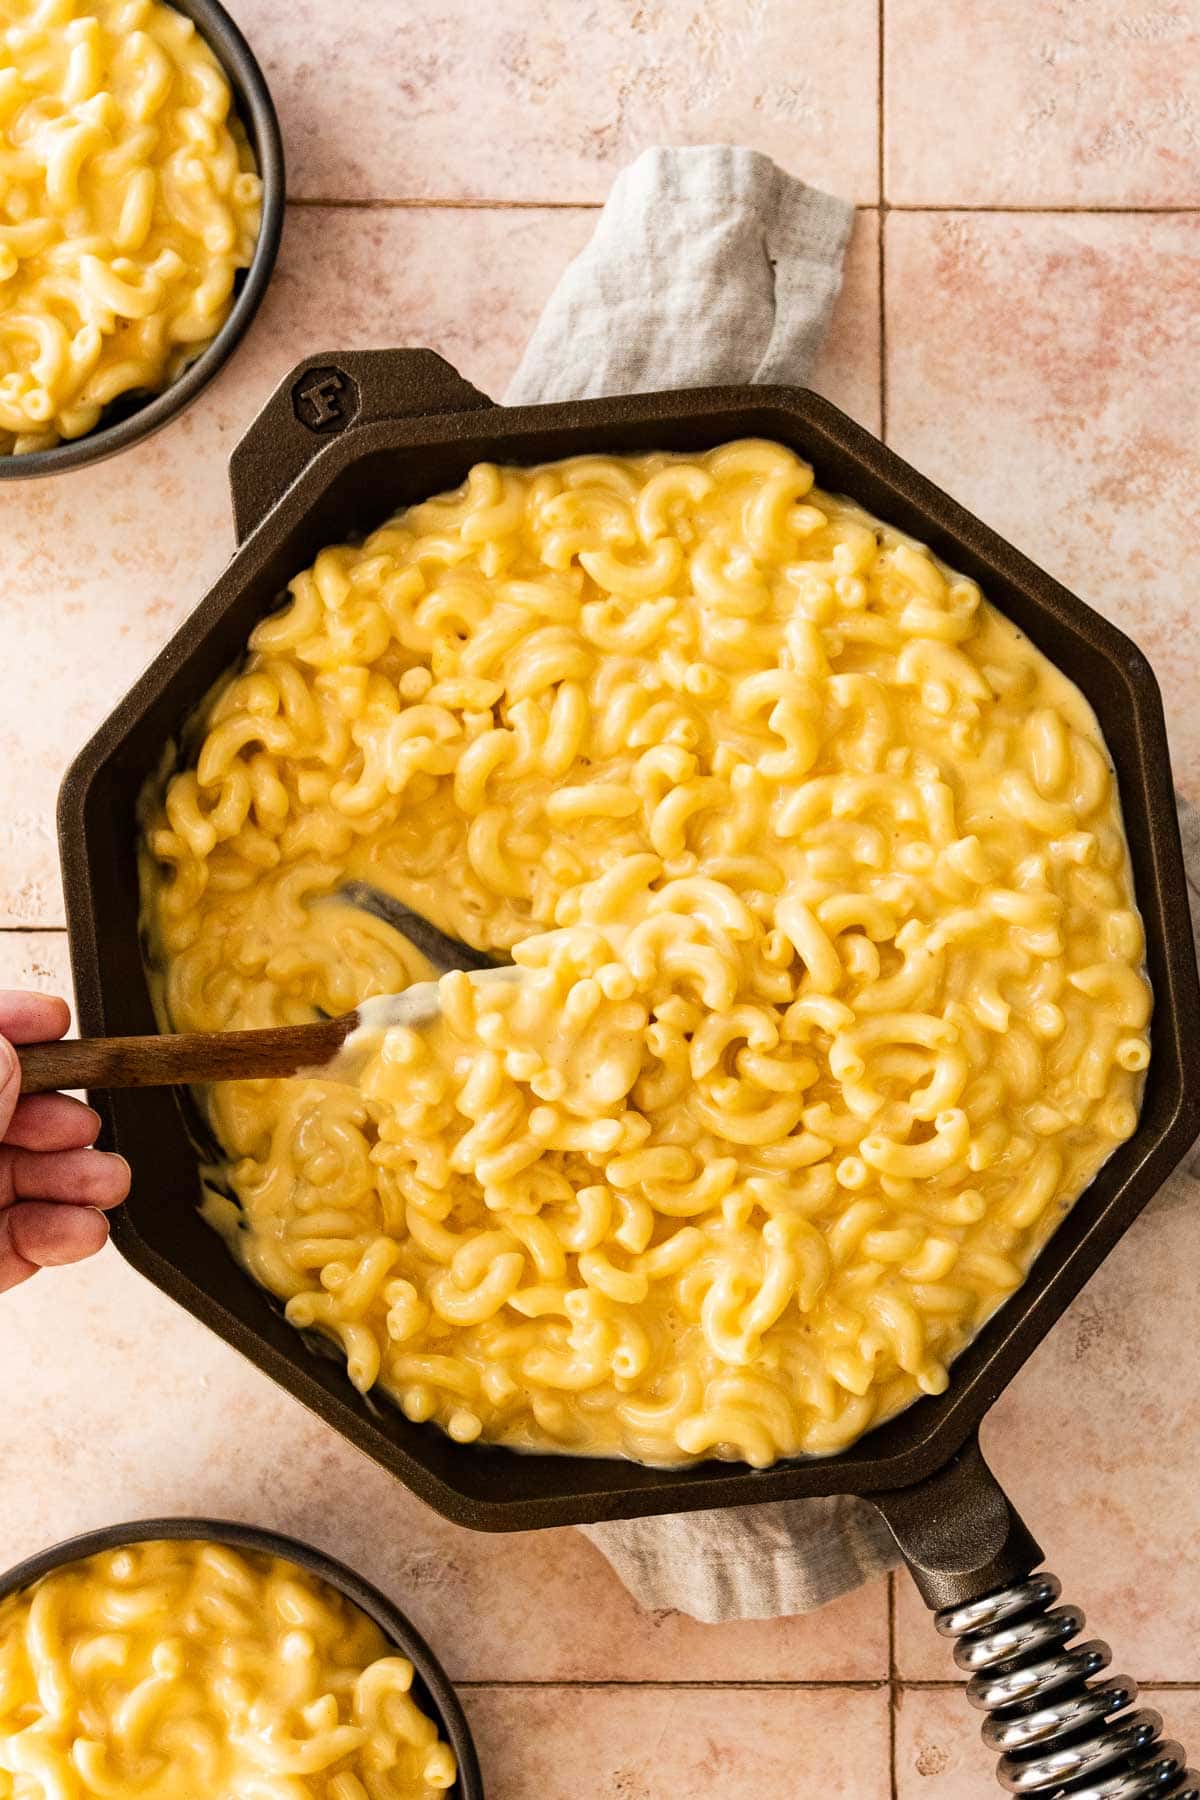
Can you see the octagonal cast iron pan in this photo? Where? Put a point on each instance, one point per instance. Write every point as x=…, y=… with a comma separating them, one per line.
x=346, y=440
x=431, y=1687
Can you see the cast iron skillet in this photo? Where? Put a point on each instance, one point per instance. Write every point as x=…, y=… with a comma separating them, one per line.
x=345, y=440
x=132, y=417
x=431, y=1687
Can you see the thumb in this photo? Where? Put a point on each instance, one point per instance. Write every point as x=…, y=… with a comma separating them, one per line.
x=10, y=1084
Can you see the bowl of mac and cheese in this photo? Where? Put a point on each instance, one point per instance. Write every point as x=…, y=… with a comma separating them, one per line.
x=182, y=1657
x=838, y=889
x=140, y=215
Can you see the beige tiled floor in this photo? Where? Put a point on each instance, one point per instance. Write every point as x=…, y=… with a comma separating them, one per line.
x=545, y=102
x=1042, y=103
x=621, y=1743
x=1041, y=364
x=1079, y=335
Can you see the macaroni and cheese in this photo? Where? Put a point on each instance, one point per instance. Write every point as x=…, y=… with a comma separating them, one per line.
x=831, y=1000
x=128, y=202
x=180, y=1670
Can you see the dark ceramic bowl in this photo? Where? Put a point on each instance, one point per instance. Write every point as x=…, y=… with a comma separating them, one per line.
x=431, y=1688
x=131, y=418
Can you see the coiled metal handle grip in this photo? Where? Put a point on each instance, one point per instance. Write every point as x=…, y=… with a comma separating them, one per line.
x=1059, y=1731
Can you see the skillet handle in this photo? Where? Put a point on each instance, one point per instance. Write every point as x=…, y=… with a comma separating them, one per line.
x=324, y=396
x=1058, y=1731
x=958, y=1531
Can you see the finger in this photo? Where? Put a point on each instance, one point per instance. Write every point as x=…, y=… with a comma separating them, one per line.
x=39, y=1235
x=13, y=1267
x=32, y=1018
x=10, y=1084
x=75, y=1177
x=24, y=1019
x=52, y=1122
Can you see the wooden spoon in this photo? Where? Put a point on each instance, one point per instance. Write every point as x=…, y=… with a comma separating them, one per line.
x=327, y=1048
x=187, y=1059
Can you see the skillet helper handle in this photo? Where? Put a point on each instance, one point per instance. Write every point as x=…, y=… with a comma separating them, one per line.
x=1057, y=1729
x=179, y=1059
x=326, y=396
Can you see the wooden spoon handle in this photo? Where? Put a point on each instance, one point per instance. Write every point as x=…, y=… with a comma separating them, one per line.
x=175, y=1060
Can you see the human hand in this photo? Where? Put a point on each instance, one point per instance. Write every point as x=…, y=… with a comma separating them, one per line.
x=52, y=1183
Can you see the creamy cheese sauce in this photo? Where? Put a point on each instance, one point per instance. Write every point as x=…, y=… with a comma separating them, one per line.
x=832, y=997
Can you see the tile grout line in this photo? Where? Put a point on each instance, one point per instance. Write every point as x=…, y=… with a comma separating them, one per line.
x=900, y=1684
x=1114, y=212
x=881, y=251
x=893, y=1686
x=881, y=102
x=408, y=204
x=883, y=205
x=883, y=343
x=742, y=1686
x=1146, y=1684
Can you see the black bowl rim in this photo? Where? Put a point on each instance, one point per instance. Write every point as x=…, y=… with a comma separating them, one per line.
x=253, y=103
x=394, y=1624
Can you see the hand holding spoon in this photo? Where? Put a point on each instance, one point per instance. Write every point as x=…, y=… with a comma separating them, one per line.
x=188, y=1058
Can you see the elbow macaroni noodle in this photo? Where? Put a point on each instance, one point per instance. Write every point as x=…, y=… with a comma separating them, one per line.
x=180, y=1670
x=128, y=202
x=832, y=999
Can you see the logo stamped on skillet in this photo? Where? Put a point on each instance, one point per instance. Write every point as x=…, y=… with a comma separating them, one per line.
x=326, y=399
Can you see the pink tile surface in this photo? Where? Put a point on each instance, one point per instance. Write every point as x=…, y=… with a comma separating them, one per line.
x=139, y=1411
x=450, y=100
x=939, y=1755
x=848, y=372
x=1044, y=369
x=35, y=959
x=664, y=1744
x=98, y=568
x=1043, y=103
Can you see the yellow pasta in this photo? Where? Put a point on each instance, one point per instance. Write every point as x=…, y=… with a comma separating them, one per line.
x=175, y=1670
x=128, y=202
x=831, y=997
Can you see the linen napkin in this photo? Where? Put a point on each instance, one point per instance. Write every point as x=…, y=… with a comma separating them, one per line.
x=712, y=266
x=706, y=266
